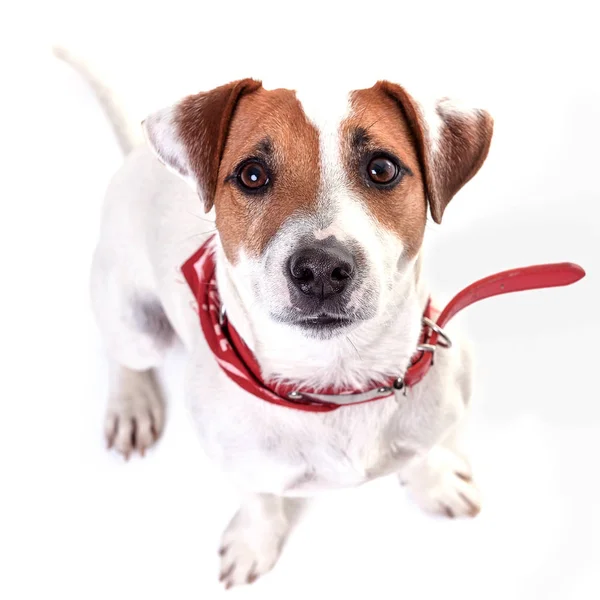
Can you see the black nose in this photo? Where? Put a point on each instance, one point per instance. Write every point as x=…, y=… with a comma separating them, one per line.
x=321, y=272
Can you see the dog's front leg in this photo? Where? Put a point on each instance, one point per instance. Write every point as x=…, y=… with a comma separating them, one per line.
x=255, y=536
x=441, y=481
x=440, y=478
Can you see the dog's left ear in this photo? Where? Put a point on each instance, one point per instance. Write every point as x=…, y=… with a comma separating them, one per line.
x=189, y=137
x=452, y=144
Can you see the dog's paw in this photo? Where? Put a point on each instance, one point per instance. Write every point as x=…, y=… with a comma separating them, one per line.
x=442, y=484
x=135, y=413
x=250, y=549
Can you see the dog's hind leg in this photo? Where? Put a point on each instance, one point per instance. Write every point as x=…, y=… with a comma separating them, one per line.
x=136, y=333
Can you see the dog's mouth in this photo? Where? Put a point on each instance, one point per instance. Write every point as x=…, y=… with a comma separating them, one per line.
x=324, y=321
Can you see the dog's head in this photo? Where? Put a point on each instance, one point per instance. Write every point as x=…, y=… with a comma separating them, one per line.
x=320, y=206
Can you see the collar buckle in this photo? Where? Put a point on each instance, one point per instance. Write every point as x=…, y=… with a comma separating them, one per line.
x=344, y=399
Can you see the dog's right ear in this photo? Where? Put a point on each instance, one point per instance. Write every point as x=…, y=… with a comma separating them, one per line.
x=189, y=137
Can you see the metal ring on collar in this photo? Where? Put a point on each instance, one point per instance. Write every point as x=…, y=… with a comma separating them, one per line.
x=445, y=341
x=426, y=348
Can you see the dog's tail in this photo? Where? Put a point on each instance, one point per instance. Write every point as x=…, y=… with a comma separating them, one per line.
x=126, y=139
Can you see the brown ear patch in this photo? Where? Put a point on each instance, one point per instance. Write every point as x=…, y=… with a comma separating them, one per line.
x=203, y=123
x=270, y=125
x=463, y=147
x=460, y=148
x=374, y=126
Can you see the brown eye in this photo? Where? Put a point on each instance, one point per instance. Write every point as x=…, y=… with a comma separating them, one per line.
x=382, y=170
x=253, y=176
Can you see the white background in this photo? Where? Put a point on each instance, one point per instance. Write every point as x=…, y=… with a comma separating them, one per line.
x=77, y=522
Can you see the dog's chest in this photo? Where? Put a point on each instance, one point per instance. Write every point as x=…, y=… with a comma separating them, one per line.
x=302, y=462
x=271, y=449
x=336, y=462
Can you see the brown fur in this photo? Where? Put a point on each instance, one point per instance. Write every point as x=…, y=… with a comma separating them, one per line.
x=403, y=209
x=250, y=221
x=203, y=123
x=463, y=147
x=225, y=126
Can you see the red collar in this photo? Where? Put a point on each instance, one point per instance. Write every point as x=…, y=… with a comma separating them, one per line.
x=239, y=363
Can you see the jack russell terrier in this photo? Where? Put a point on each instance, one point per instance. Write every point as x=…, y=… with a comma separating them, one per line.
x=299, y=298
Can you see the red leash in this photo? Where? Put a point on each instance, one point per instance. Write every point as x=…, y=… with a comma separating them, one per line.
x=515, y=280
x=240, y=365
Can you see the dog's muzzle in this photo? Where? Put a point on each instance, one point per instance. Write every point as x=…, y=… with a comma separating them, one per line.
x=321, y=277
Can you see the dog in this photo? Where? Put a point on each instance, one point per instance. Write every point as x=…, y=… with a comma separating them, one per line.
x=313, y=209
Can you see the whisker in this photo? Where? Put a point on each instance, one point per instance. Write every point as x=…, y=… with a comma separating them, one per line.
x=362, y=114
x=371, y=125
x=200, y=218
x=355, y=348
x=197, y=235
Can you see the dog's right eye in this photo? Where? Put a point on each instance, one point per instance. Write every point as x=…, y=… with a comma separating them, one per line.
x=253, y=176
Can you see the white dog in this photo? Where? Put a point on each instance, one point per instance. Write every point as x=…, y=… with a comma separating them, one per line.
x=320, y=209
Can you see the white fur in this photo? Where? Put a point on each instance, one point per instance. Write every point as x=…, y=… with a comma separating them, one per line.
x=159, y=131
x=326, y=109
x=433, y=122
x=149, y=230
x=253, y=539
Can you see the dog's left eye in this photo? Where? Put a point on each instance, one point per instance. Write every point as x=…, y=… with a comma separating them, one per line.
x=253, y=176
x=382, y=171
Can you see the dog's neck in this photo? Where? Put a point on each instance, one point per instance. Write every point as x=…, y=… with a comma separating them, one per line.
x=374, y=350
